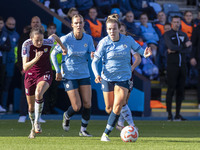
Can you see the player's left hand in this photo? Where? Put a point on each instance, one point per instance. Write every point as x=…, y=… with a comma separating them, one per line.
x=147, y=52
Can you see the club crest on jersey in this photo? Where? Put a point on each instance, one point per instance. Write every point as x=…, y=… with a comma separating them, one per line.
x=85, y=45
x=46, y=50
x=125, y=46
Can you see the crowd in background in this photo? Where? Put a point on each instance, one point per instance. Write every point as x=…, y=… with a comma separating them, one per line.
x=145, y=21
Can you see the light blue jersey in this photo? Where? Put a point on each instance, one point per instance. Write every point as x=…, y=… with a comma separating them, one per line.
x=116, y=58
x=75, y=63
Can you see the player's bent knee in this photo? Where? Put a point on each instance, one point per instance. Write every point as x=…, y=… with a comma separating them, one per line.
x=38, y=95
x=76, y=108
x=108, y=110
x=87, y=105
x=117, y=109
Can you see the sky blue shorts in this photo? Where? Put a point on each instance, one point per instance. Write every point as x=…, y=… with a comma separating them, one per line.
x=75, y=83
x=108, y=86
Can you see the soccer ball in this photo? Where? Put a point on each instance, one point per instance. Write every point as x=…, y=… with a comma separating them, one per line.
x=129, y=134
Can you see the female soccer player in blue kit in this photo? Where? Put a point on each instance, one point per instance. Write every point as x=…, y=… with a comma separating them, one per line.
x=75, y=72
x=115, y=51
x=125, y=113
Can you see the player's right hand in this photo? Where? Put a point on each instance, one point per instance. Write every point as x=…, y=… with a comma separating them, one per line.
x=58, y=77
x=98, y=79
x=64, y=51
x=193, y=62
x=38, y=54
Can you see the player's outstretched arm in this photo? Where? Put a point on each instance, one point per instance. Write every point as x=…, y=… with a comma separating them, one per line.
x=95, y=62
x=64, y=49
x=28, y=64
x=136, y=62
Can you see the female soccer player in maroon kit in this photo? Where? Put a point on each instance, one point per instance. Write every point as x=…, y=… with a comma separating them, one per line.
x=38, y=73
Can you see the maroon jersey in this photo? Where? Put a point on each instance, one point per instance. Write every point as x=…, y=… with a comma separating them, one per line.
x=43, y=66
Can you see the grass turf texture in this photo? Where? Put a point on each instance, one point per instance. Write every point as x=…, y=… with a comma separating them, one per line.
x=153, y=135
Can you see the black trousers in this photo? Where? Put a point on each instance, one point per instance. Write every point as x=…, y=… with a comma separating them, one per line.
x=176, y=77
x=198, y=87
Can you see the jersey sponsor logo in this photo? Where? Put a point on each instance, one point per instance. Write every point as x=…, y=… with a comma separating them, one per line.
x=24, y=51
x=29, y=73
x=46, y=50
x=26, y=90
x=85, y=45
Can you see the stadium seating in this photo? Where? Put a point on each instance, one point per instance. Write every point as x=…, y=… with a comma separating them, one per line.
x=171, y=10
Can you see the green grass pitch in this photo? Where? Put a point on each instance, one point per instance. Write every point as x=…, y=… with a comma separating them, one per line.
x=153, y=135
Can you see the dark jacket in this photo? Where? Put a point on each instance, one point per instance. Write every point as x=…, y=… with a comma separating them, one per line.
x=196, y=45
x=22, y=38
x=175, y=41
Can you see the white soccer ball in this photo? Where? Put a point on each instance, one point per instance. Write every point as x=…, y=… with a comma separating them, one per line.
x=129, y=134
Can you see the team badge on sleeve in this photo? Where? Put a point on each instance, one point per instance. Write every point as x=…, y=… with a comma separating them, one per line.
x=24, y=51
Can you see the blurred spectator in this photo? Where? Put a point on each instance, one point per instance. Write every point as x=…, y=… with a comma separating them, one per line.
x=178, y=45
x=159, y=25
x=72, y=11
x=187, y=24
x=125, y=6
x=116, y=11
x=51, y=95
x=83, y=6
x=23, y=108
x=142, y=6
x=94, y=27
x=161, y=60
x=9, y=57
x=5, y=46
x=103, y=8
x=195, y=56
x=27, y=29
x=66, y=5
x=51, y=29
x=55, y=5
x=131, y=26
x=149, y=34
x=155, y=6
x=197, y=20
